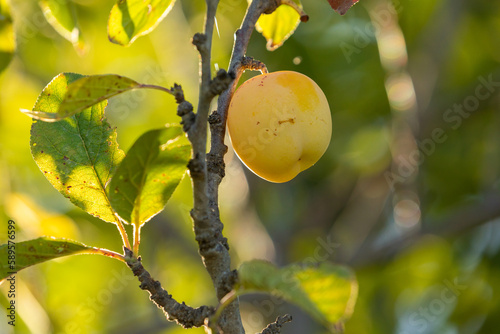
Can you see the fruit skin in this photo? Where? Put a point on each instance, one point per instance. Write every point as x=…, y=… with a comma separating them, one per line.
x=279, y=124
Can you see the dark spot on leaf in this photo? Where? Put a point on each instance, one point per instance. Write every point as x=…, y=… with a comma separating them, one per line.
x=65, y=158
x=32, y=249
x=45, y=171
x=41, y=151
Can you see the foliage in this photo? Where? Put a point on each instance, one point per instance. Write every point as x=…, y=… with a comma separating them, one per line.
x=343, y=209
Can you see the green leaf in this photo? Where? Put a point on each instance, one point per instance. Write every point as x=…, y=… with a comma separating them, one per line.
x=7, y=39
x=27, y=253
x=328, y=292
x=78, y=154
x=130, y=19
x=85, y=92
x=278, y=26
x=149, y=174
x=61, y=15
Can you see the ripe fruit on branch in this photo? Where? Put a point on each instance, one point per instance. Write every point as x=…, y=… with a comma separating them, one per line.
x=279, y=124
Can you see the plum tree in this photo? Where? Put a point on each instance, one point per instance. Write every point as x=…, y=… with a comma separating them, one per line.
x=279, y=124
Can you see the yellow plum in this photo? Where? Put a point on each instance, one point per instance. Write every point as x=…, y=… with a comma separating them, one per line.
x=279, y=124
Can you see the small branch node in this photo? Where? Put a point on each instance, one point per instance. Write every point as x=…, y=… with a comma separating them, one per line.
x=221, y=82
x=216, y=164
x=196, y=167
x=230, y=280
x=200, y=41
x=184, y=108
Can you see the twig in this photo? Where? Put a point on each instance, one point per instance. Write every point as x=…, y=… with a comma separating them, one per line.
x=182, y=314
x=275, y=327
x=105, y=252
x=163, y=89
x=137, y=238
x=123, y=232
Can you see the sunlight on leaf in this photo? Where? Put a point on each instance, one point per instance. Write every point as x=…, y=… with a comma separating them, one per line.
x=31, y=252
x=78, y=154
x=149, y=174
x=130, y=19
x=61, y=15
x=7, y=39
x=278, y=26
x=90, y=90
x=327, y=292
x=87, y=91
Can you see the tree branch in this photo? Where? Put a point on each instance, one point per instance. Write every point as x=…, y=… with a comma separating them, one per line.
x=182, y=314
x=275, y=327
x=207, y=171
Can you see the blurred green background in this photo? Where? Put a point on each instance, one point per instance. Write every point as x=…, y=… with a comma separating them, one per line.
x=407, y=193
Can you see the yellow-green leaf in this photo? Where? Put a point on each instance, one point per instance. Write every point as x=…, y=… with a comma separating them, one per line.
x=278, y=26
x=20, y=255
x=85, y=92
x=130, y=19
x=7, y=39
x=78, y=154
x=61, y=15
x=149, y=174
x=326, y=291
